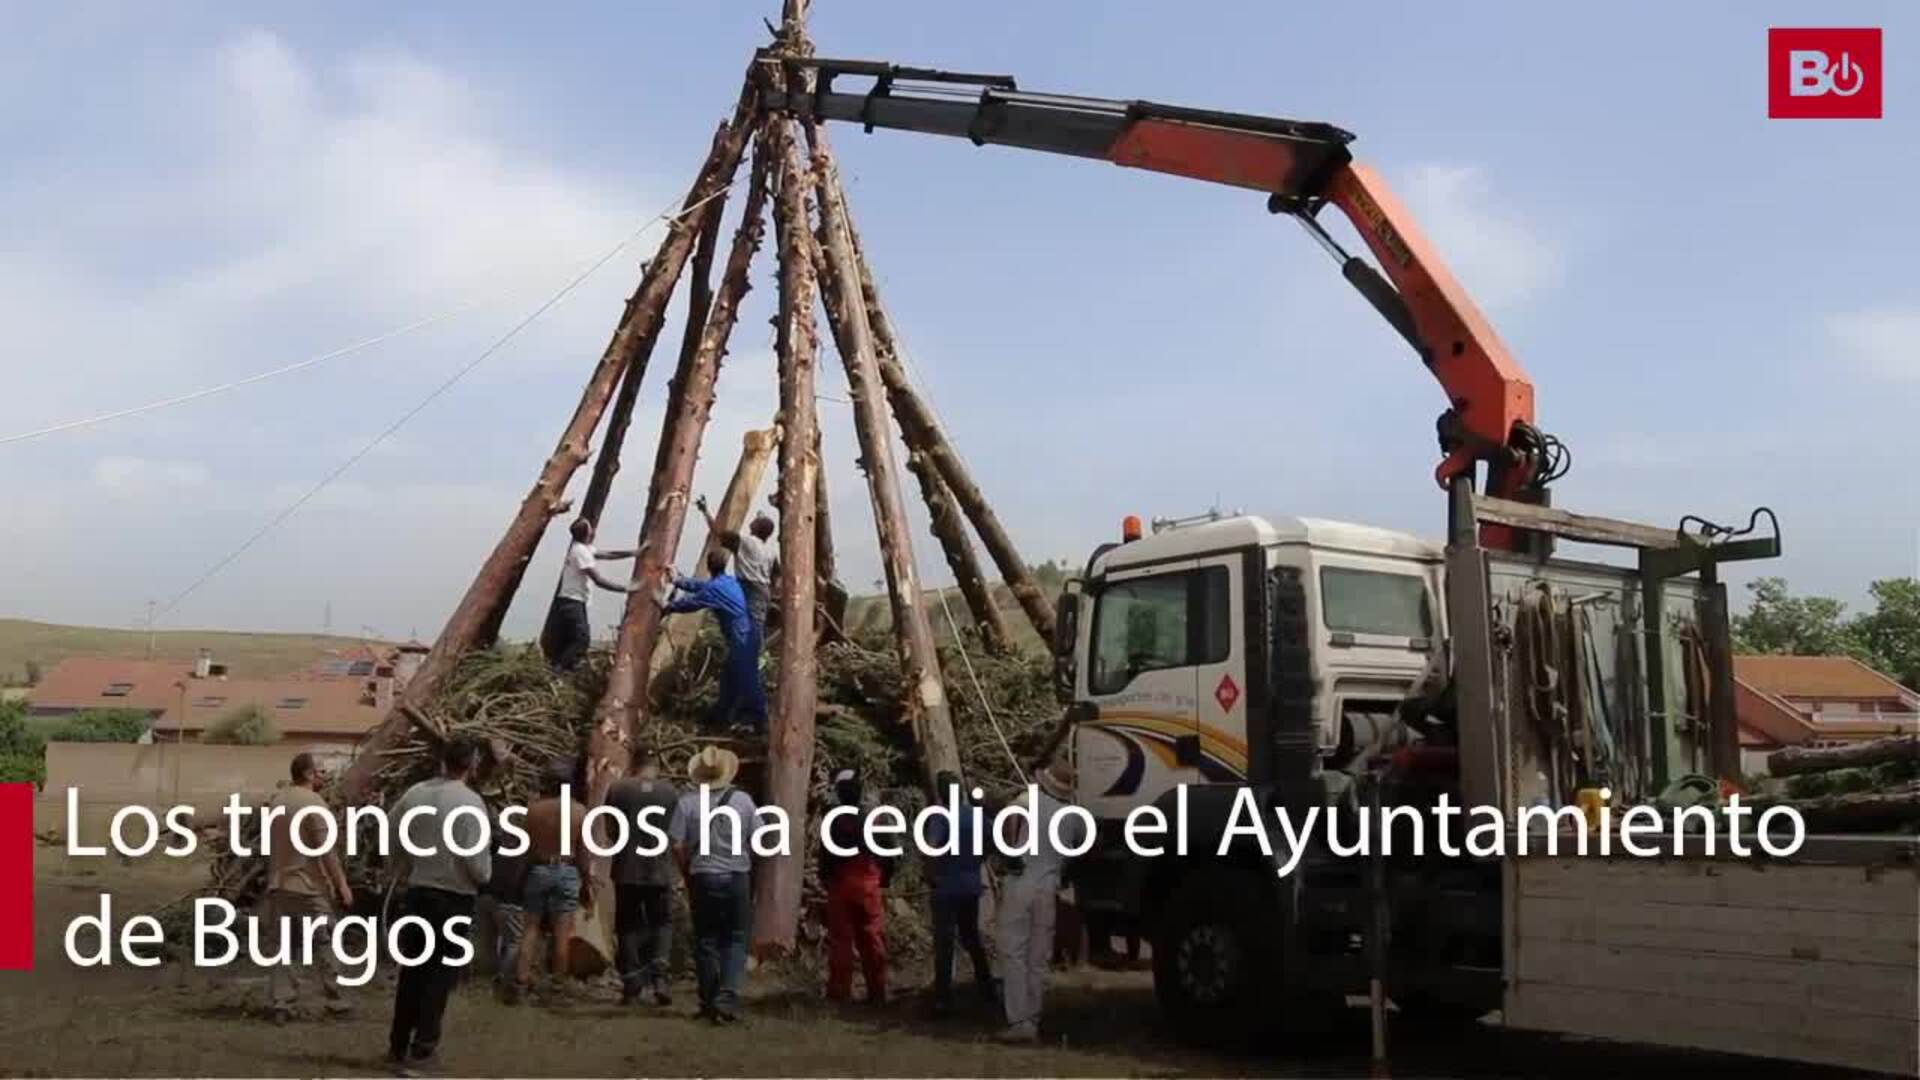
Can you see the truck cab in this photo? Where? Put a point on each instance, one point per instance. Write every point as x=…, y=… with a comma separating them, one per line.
x=1165, y=660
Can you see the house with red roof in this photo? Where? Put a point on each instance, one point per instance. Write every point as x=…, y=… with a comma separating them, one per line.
x=1815, y=701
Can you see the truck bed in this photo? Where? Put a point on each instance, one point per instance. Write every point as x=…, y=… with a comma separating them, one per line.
x=1813, y=959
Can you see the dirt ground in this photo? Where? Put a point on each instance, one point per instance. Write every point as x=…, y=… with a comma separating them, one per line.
x=175, y=1020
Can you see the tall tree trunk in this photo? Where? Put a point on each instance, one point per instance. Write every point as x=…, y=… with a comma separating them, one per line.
x=958, y=548
x=947, y=526
x=927, y=704
x=790, y=734
x=832, y=597
x=923, y=432
x=623, y=703
x=492, y=587
x=607, y=463
x=699, y=299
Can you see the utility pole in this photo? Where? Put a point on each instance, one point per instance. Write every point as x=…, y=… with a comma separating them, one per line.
x=150, y=607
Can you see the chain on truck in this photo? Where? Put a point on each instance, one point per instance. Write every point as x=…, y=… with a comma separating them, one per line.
x=1323, y=664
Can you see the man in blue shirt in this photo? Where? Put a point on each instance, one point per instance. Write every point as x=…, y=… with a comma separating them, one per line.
x=740, y=689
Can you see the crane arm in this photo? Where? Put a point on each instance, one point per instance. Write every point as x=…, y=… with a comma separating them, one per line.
x=1303, y=166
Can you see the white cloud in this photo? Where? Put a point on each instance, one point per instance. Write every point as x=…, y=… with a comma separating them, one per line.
x=123, y=478
x=1502, y=258
x=259, y=204
x=301, y=206
x=1885, y=342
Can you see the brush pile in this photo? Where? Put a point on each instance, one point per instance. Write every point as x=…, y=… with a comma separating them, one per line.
x=526, y=717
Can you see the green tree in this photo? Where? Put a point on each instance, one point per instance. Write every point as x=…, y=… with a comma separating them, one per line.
x=248, y=725
x=1890, y=634
x=23, y=758
x=1776, y=621
x=100, y=725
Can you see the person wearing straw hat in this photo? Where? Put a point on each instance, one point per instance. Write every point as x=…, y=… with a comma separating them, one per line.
x=709, y=831
x=1025, y=927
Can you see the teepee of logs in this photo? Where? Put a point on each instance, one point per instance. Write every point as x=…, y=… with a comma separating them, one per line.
x=791, y=178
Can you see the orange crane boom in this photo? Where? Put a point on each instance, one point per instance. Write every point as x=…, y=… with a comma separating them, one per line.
x=1303, y=166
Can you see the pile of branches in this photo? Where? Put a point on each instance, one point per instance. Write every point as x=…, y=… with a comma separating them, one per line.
x=526, y=718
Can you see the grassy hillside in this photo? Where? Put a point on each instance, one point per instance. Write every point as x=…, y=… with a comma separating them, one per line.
x=46, y=644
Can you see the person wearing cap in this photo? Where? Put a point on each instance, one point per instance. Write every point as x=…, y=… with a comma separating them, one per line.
x=709, y=832
x=956, y=896
x=741, y=695
x=558, y=885
x=1024, y=934
x=643, y=885
x=568, y=632
x=754, y=561
x=856, y=917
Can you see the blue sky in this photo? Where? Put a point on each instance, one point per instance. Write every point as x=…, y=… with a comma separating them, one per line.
x=1717, y=310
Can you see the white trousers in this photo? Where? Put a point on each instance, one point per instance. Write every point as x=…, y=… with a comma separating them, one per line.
x=1024, y=938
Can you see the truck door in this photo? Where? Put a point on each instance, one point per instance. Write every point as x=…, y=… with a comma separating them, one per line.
x=1151, y=634
x=1219, y=747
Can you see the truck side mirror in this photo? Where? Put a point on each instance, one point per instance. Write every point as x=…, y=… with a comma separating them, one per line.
x=1066, y=631
x=1066, y=623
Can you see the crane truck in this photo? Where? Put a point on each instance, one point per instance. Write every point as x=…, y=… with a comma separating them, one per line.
x=1321, y=664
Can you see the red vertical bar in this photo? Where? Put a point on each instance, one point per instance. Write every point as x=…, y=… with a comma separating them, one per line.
x=16, y=877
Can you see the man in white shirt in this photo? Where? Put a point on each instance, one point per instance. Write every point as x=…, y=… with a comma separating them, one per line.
x=1027, y=899
x=755, y=561
x=568, y=633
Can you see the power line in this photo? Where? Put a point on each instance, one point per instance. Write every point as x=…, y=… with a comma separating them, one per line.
x=432, y=396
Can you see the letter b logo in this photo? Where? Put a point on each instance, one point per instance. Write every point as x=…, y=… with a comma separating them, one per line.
x=1823, y=74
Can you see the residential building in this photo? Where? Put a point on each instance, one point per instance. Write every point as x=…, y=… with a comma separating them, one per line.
x=327, y=706
x=1815, y=701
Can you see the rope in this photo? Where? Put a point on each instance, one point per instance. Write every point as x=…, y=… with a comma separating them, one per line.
x=433, y=395
x=221, y=388
x=961, y=647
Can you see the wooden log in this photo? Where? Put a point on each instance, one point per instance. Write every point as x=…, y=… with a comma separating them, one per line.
x=913, y=634
x=946, y=523
x=958, y=548
x=791, y=725
x=1805, y=759
x=922, y=431
x=622, y=705
x=699, y=299
x=1877, y=810
x=756, y=448
x=607, y=462
x=492, y=588
x=832, y=599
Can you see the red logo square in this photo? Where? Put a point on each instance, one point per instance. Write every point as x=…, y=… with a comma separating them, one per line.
x=1823, y=74
x=1226, y=693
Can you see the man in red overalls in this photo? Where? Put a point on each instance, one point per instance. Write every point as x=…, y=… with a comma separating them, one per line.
x=855, y=915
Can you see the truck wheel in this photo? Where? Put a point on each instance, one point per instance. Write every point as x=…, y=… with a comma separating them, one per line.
x=1215, y=959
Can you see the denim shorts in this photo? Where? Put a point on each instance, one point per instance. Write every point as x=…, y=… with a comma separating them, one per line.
x=552, y=890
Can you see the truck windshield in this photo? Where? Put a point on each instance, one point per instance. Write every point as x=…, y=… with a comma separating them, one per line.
x=1373, y=602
